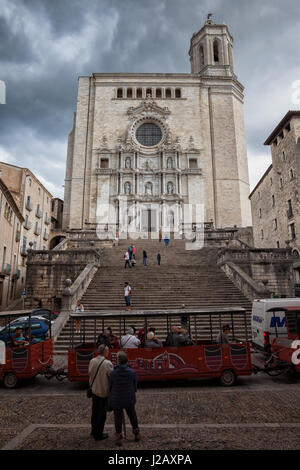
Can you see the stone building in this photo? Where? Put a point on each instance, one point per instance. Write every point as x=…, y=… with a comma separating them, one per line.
x=34, y=203
x=275, y=199
x=156, y=142
x=11, y=222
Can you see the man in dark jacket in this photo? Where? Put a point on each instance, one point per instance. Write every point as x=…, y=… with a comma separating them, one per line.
x=123, y=386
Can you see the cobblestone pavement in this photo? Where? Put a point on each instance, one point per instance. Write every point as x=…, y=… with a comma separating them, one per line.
x=259, y=413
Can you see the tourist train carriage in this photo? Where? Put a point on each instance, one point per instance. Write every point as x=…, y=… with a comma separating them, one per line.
x=206, y=358
x=284, y=350
x=22, y=362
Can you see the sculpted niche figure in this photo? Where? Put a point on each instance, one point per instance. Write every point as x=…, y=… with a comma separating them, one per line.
x=127, y=188
x=148, y=189
x=170, y=188
x=128, y=162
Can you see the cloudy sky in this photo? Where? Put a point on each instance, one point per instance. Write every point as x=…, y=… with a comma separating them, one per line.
x=46, y=44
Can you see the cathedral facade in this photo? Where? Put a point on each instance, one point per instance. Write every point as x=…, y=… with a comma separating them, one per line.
x=161, y=145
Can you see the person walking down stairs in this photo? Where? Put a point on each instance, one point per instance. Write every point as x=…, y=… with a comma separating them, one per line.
x=145, y=258
x=158, y=258
x=127, y=293
x=127, y=262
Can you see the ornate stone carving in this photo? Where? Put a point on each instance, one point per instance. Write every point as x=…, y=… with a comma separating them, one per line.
x=147, y=108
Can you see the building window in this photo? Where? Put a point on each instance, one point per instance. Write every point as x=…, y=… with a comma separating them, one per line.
x=24, y=244
x=201, y=55
x=39, y=191
x=4, y=258
x=193, y=163
x=29, y=181
x=168, y=93
x=177, y=93
x=273, y=201
x=290, y=209
x=139, y=93
x=293, y=231
x=149, y=92
x=281, y=183
x=292, y=175
x=283, y=156
x=216, y=50
x=262, y=234
x=260, y=213
x=149, y=134
x=129, y=92
x=158, y=93
x=278, y=244
x=275, y=224
x=120, y=93
x=281, y=135
x=104, y=163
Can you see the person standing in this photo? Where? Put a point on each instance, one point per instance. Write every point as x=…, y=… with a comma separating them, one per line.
x=133, y=252
x=122, y=390
x=158, y=258
x=167, y=241
x=127, y=294
x=130, y=251
x=79, y=308
x=144, y=257
x=99, y=371
x=127, y=262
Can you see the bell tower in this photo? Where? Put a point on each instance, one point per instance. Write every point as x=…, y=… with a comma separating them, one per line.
x=211, y=50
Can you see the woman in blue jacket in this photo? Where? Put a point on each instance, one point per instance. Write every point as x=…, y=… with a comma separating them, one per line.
x=123, y=386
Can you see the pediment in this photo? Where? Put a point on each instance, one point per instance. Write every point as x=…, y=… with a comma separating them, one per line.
x=148, y=107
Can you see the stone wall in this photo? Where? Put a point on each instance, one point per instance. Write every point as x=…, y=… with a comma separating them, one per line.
x=47, y=272
x=272, y=268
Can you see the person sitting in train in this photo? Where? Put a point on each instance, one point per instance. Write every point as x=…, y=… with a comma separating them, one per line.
x=103, y=339
x=142, y=334
x=183, y=338
x=19, y=339
x=172, y=337
x=31, y=339
x=223, y=336
x=129, y=340
x=114, y=340
x=152, y=341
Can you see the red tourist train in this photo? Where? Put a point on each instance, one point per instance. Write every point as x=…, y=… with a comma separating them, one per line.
x=205, y=358
x=28, y=358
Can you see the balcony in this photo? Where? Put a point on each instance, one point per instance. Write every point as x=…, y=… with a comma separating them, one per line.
x=47, y=220
x=6, y=270
x=46, y=236
x=27, y=225
x=37, y=231
x=17, y=274
x=39, y=213
x=29, y=205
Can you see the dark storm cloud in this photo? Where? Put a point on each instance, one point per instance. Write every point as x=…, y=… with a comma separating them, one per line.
x=45, y=45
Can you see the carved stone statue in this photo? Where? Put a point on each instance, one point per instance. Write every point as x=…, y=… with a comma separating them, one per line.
x=148, y=189
x=127, y=188
x=170, y=188
x=169, y=163
x=128, y=162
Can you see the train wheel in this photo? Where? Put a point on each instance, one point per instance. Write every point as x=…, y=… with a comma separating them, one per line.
x=10, y=380
x=228, y=378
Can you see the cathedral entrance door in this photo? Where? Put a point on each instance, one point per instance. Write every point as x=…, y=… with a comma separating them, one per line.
x=149, y=220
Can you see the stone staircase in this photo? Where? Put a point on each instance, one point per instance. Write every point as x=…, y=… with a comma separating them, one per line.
x=184, y=277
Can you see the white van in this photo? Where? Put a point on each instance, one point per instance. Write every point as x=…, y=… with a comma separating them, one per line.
x=264, y=323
